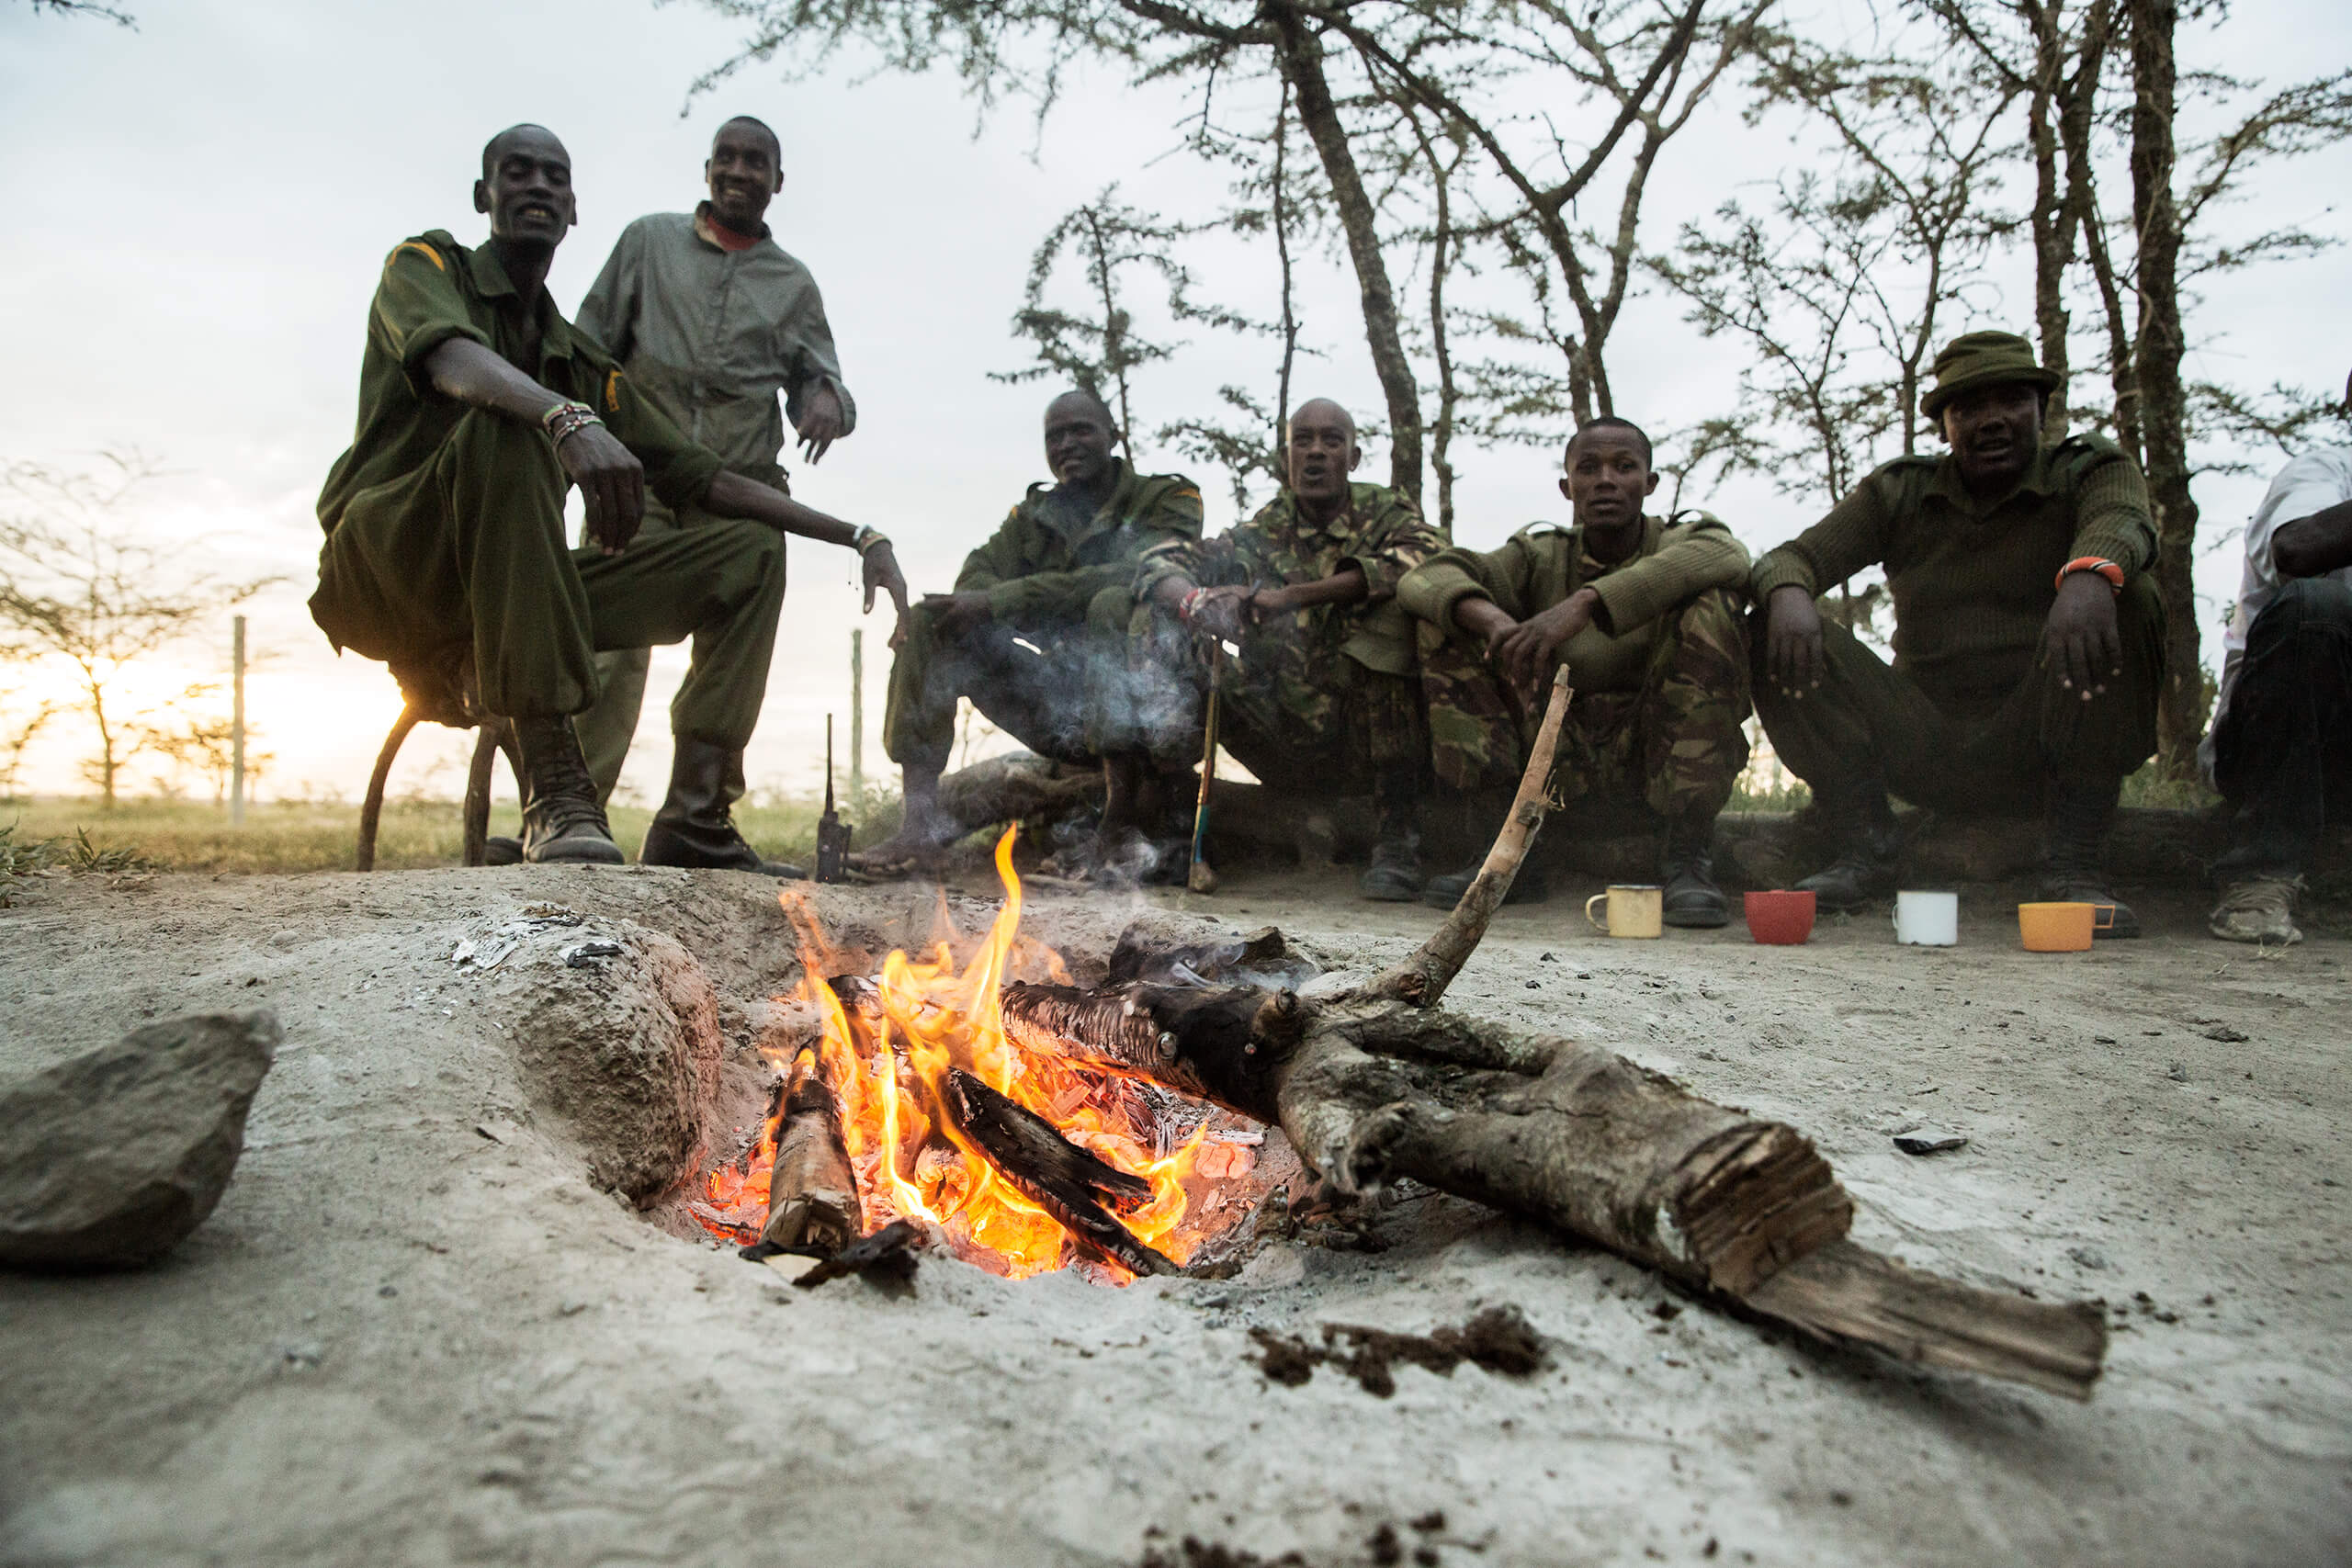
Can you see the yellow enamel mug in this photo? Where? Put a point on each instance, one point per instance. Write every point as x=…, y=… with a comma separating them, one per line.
x=1634, y=909
x=2061, y=927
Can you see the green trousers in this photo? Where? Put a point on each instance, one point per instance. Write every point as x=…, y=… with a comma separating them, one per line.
x=1968, y=741
x=1038, y=694
x=607, y=727
x=1676, y=744
x=471, y=549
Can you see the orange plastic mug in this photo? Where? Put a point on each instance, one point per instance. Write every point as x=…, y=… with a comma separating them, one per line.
x=2061, y=927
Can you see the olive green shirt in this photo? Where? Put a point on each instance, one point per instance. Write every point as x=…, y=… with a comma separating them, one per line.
x=1540, y=565
x=714, y=335
x=1380, y=532
x=1973, y=581
x=433, y=290
x=1049, y=558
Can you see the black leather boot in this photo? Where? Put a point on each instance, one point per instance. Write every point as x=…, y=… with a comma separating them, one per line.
x=1687, y=871
x=1395, y=874
x=561, y=821
x=1870, y=848
x=696, y=827
x=1529, y=886
x=2077, y=818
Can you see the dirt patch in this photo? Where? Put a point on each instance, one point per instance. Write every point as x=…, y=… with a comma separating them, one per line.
x=1500, y=1340
x=416, y=1331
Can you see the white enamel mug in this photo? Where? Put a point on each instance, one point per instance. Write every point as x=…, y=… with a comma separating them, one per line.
x=1926, y=920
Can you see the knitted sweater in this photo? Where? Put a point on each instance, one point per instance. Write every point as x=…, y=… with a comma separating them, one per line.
x=1678, y=557
x=1973, y=581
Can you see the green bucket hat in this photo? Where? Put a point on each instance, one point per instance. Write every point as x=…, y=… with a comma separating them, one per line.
x=1983, y=359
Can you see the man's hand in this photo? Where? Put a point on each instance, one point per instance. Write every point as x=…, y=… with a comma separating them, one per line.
x=1530, y=649
x=954, y=613
x=822, y=423
x=1795, y=659
x=611, y=481
x=2080, y=638
x=882, y=574
x=1223, y=613
x=1486, y=620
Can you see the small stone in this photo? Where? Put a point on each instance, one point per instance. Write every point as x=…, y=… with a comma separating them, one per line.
x=572, y=1308
x=286, y=940
x=2087, y=1256
x=2178, y=1072
x=1534, y=985
x=388, y=1292
x=1545, y=958
x=1930, y=1140
x=112, y=1157
x=2226, y=1035
x=302, y=1356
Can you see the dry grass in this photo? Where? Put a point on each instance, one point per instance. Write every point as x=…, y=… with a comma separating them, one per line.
x=48, y=832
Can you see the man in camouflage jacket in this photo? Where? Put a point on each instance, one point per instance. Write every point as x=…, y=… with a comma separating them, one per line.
x=1647, y=613
x=1015, y=635
x=1323, y=695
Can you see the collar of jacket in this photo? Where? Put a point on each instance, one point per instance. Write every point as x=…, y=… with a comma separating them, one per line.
x=491, y=282
x=2039, y=480
x=1111, y=513
x=704, y=222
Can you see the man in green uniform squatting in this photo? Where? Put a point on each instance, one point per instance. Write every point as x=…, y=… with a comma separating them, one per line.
x=1323, y=697
x=1647, y=612
x=2028, y=638
x=1034, y=583
x=712, y=320
x=445, y=557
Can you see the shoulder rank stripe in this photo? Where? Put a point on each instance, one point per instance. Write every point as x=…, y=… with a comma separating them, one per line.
x=428, y=251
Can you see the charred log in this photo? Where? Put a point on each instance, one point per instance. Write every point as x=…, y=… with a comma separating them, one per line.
x=886, y=1259
x=1058, y=1176
x=812, y=1193
x=1215, y=1044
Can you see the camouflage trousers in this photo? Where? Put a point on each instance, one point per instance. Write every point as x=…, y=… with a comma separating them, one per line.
x=1302, y=718
x=1676, y=745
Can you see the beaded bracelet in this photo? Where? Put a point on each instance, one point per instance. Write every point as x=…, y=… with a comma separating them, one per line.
x=864, y=537
x=2106, y=569
x=1190, y=603
x=566, y=420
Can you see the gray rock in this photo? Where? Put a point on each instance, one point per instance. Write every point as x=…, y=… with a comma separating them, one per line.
x=1928, y=1140
x=112, y=1157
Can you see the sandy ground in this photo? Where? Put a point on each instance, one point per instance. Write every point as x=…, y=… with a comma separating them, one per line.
x=399, y=1341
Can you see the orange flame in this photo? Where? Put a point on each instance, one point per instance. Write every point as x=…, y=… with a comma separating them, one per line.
x=889, y=1078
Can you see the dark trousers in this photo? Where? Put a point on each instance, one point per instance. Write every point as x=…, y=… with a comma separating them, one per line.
x=1039, y=698
x=2282, y=754
x=470, y=550
x=1968, y=742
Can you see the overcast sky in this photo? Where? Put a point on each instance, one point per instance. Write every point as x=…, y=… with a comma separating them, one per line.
x=196, y=212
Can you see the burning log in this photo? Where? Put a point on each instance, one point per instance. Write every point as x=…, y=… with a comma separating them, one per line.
x=812, y=1193
x=1055, y=1174
x=886, y=1259
x=1371, y=1084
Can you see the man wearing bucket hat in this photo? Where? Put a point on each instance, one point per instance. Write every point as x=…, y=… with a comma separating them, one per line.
x=2027, y=636
x=2280, y=748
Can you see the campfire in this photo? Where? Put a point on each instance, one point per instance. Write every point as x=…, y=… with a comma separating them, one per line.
x=913, y=1103
x=1027, y=1123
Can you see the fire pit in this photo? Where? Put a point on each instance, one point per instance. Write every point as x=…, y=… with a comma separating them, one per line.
x=913, y=1102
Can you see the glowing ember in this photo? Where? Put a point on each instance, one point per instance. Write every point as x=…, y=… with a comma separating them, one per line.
x=888, y=1065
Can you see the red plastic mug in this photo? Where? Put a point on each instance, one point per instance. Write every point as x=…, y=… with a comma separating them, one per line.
x=1780, y=919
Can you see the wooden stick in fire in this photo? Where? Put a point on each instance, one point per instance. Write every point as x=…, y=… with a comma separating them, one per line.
x=812, y=1193
x=1200, y=877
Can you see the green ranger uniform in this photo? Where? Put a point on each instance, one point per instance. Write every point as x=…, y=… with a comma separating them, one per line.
x=1325, y=700
x=1042, y=571
x=1971, y=716
x=444, y=522
x=711, y=335
x=1660, y=675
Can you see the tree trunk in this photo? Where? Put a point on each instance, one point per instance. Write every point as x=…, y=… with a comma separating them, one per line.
x=2180, y=712
x=1300, y=52
x=2051, y=246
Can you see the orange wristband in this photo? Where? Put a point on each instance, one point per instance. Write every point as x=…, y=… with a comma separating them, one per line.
x=2107, y=569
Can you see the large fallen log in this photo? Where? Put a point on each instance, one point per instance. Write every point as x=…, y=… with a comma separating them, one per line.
x=1370, y=1083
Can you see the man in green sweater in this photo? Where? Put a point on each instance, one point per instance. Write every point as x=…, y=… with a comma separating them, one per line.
x=2028, y=637
x=1645, y=612
x=1015, y=635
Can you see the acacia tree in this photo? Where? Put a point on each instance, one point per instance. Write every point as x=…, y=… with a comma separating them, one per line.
x=79, y=588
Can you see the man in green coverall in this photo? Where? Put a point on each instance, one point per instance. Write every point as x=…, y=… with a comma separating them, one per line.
x=1323, y=696
x=1648, y=613
x=444, y=554
x=2029, y=636
x=1021, y=635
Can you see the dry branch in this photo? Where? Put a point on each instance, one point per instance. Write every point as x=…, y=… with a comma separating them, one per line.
x=812, y=1192
x=1069, y=1183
